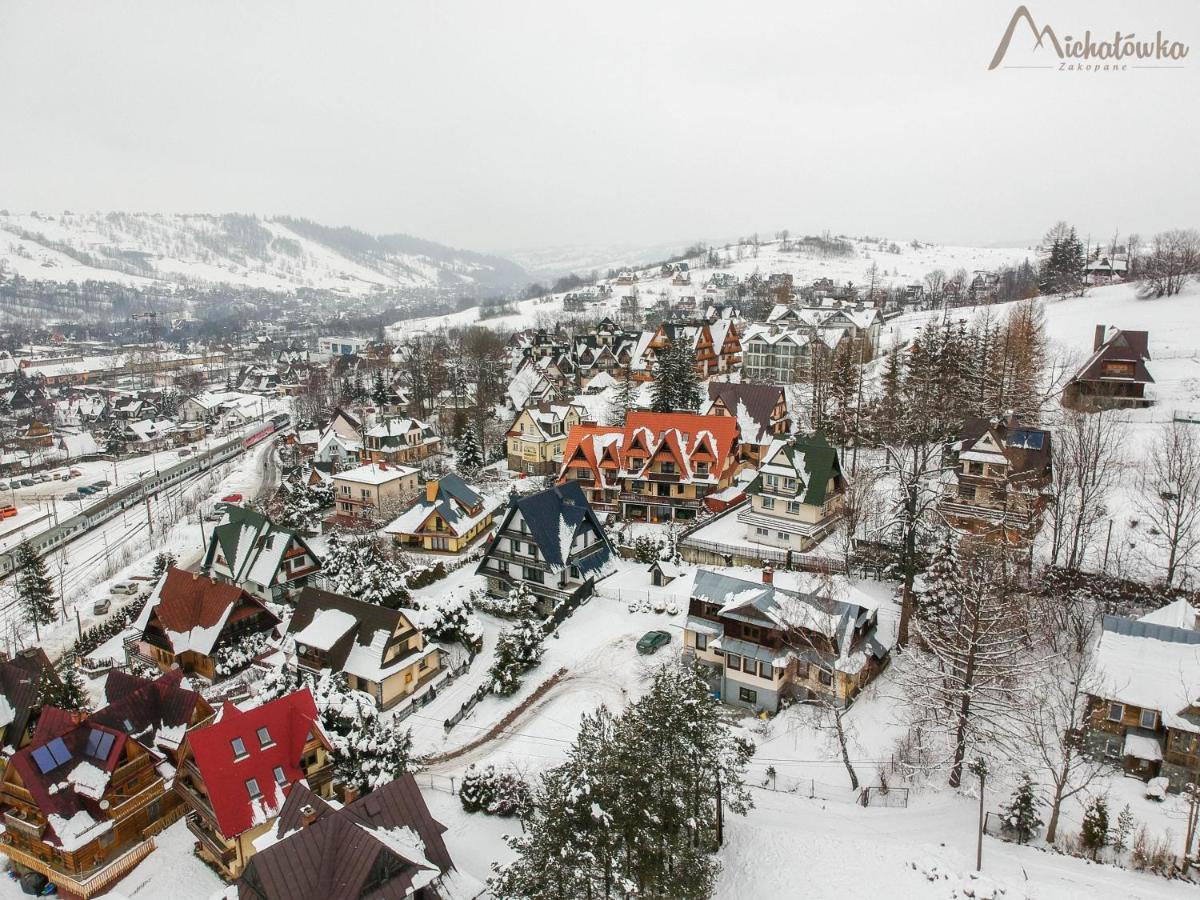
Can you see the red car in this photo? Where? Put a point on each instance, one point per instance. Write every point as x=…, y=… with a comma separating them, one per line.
x=232, y=498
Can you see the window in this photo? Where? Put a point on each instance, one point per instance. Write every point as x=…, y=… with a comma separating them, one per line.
x=667, y=468
x=762, y=532
x=264, y=738
x=764, y=670
x=768, y=502
x=1116, y=712
x=239, y=748
x=751, y=632
x=702, y=469
x=789, y=484
x=794, y=507
x=280, y=778
x=746, y=695
x=782, y=535
x=1149, y=719
x=733, y=662
x=701, y=642
x=1113, y=748
x=252, y=788
x=825, y=677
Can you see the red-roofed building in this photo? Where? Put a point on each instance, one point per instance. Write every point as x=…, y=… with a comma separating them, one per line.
x=235, y=773
x=189, y=617
x=83, y=799
x=657, y=467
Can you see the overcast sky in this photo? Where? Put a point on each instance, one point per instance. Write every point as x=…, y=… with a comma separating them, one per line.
x=496, y=124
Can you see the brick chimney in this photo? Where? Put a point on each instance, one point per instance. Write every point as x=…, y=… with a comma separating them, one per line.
x=768, y=574
x=308, y=815
x=349, y=794
x=1100, y=329
x=431, y=489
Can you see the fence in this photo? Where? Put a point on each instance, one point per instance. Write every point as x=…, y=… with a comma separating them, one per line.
x=895, y=798
x=425, y=695
x=468, y=705
x=808, y=787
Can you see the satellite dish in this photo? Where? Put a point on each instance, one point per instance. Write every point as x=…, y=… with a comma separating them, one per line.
x=104, y=804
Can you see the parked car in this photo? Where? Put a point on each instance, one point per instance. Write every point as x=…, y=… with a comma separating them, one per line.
x=72, y=497
x=651, y=641
x=75, y=473
x=124, y=588
x=185, y=452
x=27, y=482
x=102, y=606
x=101, y=484
x=7, y=511
x=3, y=485
x=233, y=498
x=87, y=490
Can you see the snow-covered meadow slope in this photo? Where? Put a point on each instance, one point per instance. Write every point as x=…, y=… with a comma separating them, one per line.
x=270, y=253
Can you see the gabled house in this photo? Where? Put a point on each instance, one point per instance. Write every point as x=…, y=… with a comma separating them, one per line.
x=235, y=774
x=266, y=560
x=758, y=642
x=1115, y=375
x=383, y=845
x=1000, y=470
x=529, y=387
x=552, y=543
x=537, y=436
x=760, y=410
x=400, y=441
x=798, y=495
x=189, y=617
x=20, y=685
x=1144, y=695
x=658, y=467
x=379, y=650
x=82, y=801
x=448, y=517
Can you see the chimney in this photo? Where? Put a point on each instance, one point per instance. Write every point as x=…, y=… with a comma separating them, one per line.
x=1099, y=337
x=308, y=815
x=768, y=575
x=349, y=794
x=431, y=489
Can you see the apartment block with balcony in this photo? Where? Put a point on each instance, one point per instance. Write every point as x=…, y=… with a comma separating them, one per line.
x=83, y=800
x=798, y=495
x=372, y=492
x=658, y=467
x=538, y=435
x=552, y=543
x=235, y=774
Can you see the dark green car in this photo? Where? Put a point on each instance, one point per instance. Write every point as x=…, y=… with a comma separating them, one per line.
x=652, y=640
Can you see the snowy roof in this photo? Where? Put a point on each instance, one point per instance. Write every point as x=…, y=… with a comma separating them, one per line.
x=1149, y=666
x=248, y=548
x=1179, y=614
x=327, y=627
x=375, y=474
x=554, y=517
x=459, y=506
x=192, y=610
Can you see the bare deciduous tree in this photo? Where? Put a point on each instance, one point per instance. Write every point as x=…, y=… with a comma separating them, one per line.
x=1169, y=496
x=1087, y=464
x=1174, y=257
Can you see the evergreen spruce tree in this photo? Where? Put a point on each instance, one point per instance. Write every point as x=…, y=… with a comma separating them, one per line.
x=1020, y=815
x=843, y=395
x=1126, y=826
x=35, y=590
x=938, y=605
x=622, y=400
x=379, y=389
x=376, y=753
x=664, y=395
x=162, y=562
x=63, y=687
x=468, y=456
x=114, y=437
x=687, y=383
x=471, y=792
x=1094, y=833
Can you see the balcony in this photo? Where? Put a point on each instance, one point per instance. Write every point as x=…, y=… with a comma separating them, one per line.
x=953, y=507
x=216, y=849
x=655, y=500
x=663, y=476
x=21, y=825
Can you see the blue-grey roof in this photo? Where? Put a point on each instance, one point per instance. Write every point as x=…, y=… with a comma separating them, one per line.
x=547, y=512
x=1138, y=628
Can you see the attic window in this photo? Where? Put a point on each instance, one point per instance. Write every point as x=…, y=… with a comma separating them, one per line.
x=252, y=788
x=239, y=748
x=280, y=778
x=264, y=738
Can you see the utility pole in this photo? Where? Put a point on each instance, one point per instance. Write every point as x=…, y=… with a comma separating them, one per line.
x=1193, y=795
x=862, y=351
x=978, y=767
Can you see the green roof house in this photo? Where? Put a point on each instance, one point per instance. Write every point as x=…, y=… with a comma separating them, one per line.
x=266, y=560
x=798, y=495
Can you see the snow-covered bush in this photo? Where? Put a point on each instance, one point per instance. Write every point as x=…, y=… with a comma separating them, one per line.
x=517, y=651
x=365, y=567
x=517, y=603
x=451, y=620
x=501, y=793
x=229, y=659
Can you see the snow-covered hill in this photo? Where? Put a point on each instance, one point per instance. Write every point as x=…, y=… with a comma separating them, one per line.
x=276, y=253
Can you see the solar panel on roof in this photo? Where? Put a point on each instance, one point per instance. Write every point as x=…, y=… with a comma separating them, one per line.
x=59, y=751
x=45, y=762
x=99, y=743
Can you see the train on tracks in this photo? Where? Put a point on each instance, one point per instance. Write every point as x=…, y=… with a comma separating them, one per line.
x=132, y=495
